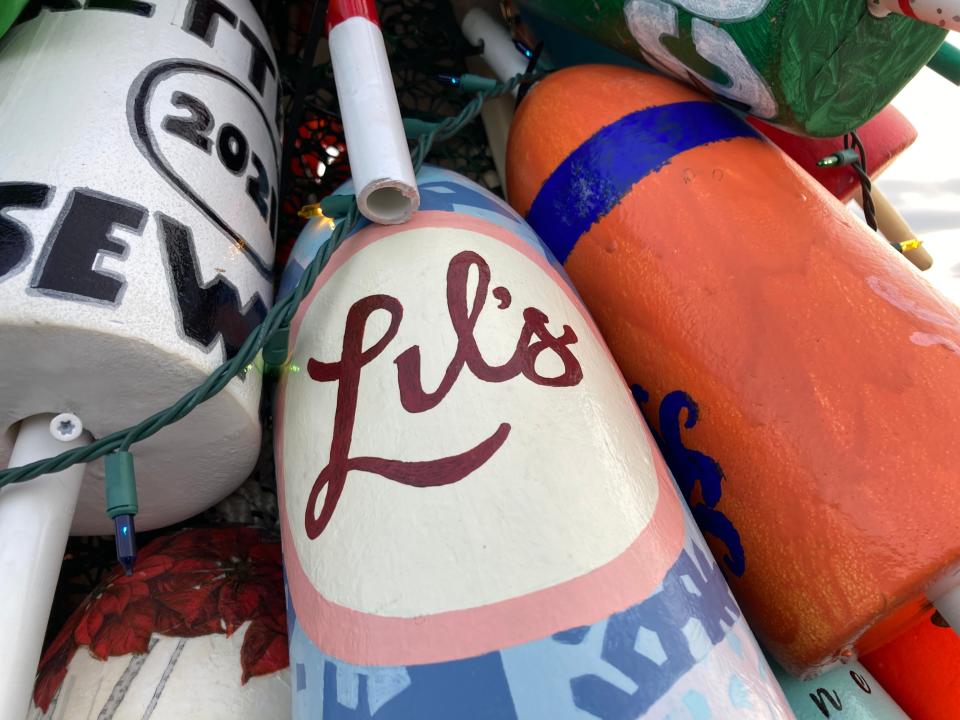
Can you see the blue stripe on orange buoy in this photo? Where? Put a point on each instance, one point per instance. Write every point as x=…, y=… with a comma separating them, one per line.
x=593, y=178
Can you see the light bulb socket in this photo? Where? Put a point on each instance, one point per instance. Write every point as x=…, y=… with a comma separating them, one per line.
x=120, y=484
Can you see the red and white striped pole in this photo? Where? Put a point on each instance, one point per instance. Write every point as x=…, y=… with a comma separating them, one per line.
x=943, y=13
x=379, y=157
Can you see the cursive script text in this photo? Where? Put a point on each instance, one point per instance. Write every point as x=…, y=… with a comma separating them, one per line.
x=533, y=339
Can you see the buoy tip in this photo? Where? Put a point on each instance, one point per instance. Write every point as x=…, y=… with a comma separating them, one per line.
x=389, y=202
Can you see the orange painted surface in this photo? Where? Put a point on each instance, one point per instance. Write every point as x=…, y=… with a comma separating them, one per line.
x=921, y=670
x=884, y=137
x=824, y=367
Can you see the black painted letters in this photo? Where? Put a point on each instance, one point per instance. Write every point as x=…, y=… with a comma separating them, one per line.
x=260, y=60
x=80, y=236
x=203, y=17
x=15, y=239
x=205, y=310
x=135, y=7
x=821, y=699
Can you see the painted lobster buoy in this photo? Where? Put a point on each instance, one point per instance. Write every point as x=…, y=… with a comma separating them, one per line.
x=137, y=244
x=819, y=68
x=769, y=338
x=197, y=631
x=921, y=669
x=848, y=692
x=135, y=255
x=475, y=521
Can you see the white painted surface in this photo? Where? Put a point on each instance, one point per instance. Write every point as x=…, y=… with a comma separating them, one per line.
x=379, y=156
x=34, y=523
x=69, y=83
x=724, y=9
x=649, y=21
x=570, y=489
x=178, y=679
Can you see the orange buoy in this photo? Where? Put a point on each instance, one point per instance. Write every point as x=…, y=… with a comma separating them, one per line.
x=921, y=669
x=797, y=371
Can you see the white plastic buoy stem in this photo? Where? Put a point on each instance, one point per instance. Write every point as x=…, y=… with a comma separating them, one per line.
x=504, y=61
x=942, y=13
x=479, y=28
x=379, y=157
x=35, y=519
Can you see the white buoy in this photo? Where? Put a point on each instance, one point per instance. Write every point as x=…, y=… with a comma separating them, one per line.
x=138, y=196
x=200, y=634
x=138, y=237
x=379, y=156
x=34, y=524
x=475, y=520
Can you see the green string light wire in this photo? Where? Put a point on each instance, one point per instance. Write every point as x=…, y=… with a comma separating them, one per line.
x=276, y=320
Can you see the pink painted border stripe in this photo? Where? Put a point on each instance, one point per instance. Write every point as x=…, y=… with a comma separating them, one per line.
x=363, y=639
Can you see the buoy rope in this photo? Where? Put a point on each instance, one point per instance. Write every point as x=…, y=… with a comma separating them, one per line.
x=343, y=209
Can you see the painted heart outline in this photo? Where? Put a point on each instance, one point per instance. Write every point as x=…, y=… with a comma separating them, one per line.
x=138, y=101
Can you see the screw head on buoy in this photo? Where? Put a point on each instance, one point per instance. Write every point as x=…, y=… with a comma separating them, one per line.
x=66, y=427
